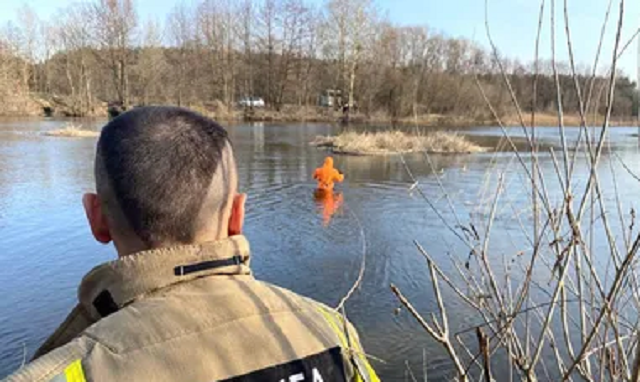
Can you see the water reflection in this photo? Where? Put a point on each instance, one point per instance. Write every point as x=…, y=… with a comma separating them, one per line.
x=328, y=203
x=258, y=137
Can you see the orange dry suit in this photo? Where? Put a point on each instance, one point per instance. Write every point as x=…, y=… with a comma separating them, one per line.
x=326, y=175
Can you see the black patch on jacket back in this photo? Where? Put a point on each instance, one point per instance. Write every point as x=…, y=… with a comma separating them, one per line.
x=104, y=304
x=327, y=366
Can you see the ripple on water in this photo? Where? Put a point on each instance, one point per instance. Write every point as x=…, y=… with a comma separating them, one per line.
x=294, y=248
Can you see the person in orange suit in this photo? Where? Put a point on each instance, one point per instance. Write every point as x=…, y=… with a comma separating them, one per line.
x=327, y=175
x=329, y=203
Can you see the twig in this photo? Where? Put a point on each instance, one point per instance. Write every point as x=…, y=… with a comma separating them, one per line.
x=484, y=349
x=358, y=281
x=432, y=206
x=444, y=277
x=425, y=372
x=442, y=337
x=620, y=274
x=597, y=58
x=534, y=165
x=512, y=315
x=624, y=165
x=635, y=376
x=408, y=368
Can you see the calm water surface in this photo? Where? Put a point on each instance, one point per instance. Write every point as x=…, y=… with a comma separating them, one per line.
x=46, y=247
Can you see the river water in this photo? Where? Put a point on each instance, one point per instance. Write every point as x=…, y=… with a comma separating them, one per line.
x=46, y=247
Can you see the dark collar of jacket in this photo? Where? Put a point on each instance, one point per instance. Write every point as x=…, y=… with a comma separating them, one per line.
x=113, y=285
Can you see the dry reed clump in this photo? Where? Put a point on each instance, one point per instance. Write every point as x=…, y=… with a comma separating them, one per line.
x=292, y=113
x=396, y=142
x=218, y=111
x=72, y=131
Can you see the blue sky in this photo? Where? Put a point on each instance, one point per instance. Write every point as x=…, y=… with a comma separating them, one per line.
x=513, y=22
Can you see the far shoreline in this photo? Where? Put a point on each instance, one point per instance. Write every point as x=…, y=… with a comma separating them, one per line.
x=294, y=114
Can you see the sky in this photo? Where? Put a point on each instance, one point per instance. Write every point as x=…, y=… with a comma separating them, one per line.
x=513, y=23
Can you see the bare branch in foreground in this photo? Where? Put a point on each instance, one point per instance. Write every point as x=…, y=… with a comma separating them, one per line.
x=363, y=264
x=440, y=336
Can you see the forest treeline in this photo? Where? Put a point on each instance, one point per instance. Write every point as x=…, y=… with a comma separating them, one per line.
x=210, y=53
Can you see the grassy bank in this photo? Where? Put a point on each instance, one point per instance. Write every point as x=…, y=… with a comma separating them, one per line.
x=293, y=113
x=572, y=120
x=18, y=105
x=72, y=131
x=396, y=142
x=34, y=105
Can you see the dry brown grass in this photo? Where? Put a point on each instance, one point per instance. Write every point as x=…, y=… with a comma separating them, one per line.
x=72, y=131
x=218, y=111
x=397, y=142
x=18, y=105
x=293, y=113
x=551, y=120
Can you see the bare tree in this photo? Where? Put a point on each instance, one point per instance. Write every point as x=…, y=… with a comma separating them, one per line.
x=14, y=60
x=352, y=22
x=77, y=58
x=283, y=31
x=113, y=31
x=268, y=39
x=48, y=37
x=307, y=67
x=150, y=64
x=219, y=30
x=418, y=50
x=29, y=42
x=247, y=16
x=181, y=35
x=12, y=82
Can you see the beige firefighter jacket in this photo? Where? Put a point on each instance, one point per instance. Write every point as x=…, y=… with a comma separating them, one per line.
x=195, y=313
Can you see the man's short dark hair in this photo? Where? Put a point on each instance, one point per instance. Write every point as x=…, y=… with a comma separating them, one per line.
x=155, y=168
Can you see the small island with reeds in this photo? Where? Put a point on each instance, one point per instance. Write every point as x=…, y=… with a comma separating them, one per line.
x=397, y=142
x=72, y=131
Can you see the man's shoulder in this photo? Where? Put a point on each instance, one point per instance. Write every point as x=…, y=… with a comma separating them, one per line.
x=61, y=364
x=209, y=325
x=279, y=297
x=204, y=305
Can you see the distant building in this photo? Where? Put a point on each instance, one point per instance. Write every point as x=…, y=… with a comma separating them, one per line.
x=330, y=98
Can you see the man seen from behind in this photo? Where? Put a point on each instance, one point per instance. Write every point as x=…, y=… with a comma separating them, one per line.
x=180, y=302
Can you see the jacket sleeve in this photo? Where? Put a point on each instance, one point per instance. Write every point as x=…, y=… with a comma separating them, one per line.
x=337, y=176
x=61, y=364
x=365, y=372
x=355, y=357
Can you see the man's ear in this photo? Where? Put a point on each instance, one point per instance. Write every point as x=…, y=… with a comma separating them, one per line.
x=97, y=220
x=236, y=220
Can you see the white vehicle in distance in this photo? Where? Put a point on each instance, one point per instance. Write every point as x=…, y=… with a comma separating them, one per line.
x=251, y=102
